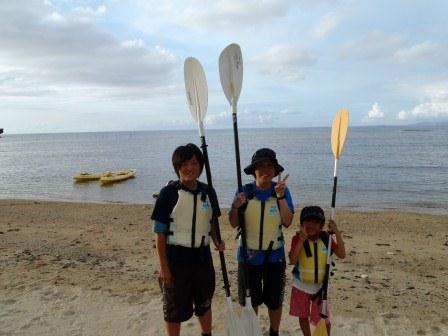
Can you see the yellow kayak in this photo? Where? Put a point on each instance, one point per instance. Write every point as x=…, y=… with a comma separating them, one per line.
x=86, y=176
x=111, y=177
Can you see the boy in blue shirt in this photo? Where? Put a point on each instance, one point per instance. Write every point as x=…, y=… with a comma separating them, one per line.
x=267, y=207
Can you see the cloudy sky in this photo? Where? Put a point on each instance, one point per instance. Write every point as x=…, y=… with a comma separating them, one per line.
x=68, y=66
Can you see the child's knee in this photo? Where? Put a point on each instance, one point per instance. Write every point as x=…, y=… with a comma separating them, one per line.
x=304, y=321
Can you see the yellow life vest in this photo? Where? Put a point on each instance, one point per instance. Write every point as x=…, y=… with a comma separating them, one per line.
x=263, y=224
x=190, y=220
x=311, y=268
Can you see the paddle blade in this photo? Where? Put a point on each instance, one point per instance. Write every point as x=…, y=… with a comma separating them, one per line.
x=249, y=321
x=233, y=324
x=231, y=71
x=339, y=132
x=196, y=87
x=321, y=329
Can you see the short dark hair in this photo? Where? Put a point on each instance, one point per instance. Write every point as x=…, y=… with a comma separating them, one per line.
x=312, y=212
x=185, y=153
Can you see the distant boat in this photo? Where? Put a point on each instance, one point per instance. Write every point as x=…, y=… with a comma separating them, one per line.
x=111, y=177
x=86, y=176
x=1, y=130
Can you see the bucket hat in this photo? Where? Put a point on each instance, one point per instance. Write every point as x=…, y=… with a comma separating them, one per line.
x=262, y=155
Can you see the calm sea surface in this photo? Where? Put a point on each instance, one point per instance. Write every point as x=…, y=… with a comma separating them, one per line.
x=381, y=167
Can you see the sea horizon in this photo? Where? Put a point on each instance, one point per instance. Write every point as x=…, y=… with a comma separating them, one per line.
x=382, y=167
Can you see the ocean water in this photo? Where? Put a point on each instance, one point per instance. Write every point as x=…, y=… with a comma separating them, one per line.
x=402, y=168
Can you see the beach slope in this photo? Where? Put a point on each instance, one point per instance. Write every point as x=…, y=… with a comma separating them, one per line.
x=91, y=269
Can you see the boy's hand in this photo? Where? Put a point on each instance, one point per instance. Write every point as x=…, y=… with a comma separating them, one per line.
x=332, y=226
x=302, y=234
x=239, y=200
x=221, y=247
x=166, y=278
x=280, y=186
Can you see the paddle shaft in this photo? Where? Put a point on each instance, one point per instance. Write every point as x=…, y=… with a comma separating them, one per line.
x=328, y=266
x=237, y=147
x=335, y=184
x=241, y=220
x=215, y=208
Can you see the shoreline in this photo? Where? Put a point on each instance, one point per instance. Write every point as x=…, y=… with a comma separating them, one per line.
x=91, y=268
x=422, y=211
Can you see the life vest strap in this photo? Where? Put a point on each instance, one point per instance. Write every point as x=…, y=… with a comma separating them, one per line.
x=193, y=221
x=316, y=263
x=260, y=237
x=306, y=247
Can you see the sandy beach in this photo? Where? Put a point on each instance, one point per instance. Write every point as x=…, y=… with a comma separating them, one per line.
x=91, y=269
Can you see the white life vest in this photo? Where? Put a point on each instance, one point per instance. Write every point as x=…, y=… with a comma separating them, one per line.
x=190, y=220
x=263, y=223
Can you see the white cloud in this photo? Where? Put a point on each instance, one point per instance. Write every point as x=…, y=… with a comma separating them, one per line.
x=62, y=51
x=425, y=50
x=225, y=15
x=433, y=109
x=435, y=106
x=138, y=43
x=56, y=17
x=375, y=112
x=373, y=45
x=247, y=117
x=222, y=14
x=218, y=119
x=89, y=11
x=327, y=24
x=284, y=63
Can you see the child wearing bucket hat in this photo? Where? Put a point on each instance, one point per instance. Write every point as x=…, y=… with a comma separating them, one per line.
x=309, y=256
x=267, y=207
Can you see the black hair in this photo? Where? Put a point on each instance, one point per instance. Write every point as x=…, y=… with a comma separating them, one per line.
x=315, y=212
x=185, y=153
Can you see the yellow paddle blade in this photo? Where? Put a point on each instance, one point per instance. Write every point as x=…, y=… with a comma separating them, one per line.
x=339, y=132
x=321, y=329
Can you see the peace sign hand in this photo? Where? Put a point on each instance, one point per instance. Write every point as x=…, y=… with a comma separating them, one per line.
x=280, y=186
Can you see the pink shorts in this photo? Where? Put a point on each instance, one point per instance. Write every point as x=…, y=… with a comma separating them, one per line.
x=302, y=306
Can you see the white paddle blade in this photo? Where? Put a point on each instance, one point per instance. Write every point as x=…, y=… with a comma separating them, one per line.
x=233, y=324
x=250, y=321
x=339, y=132
x=231, y=71
x=196, y=87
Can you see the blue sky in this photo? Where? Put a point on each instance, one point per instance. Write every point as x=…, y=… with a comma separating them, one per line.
x=68, y=66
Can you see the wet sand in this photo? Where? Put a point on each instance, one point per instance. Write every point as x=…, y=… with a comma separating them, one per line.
x=91, y=269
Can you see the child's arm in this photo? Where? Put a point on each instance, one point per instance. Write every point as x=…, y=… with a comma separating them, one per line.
x=238, y=202
x=220, y=246
x=165, y=272
x=340, y=249
x=286, y=214
x=295, y=249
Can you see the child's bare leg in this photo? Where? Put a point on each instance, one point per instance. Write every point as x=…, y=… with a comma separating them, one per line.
x=274, y=318
x=172, y=328
x=205, y=321
x=328, y=328
x=305, y=326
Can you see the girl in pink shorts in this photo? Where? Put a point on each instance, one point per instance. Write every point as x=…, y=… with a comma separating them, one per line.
x=309, y=255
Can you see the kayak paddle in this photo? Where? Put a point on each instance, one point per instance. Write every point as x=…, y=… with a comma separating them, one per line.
x=197, y=97
x=338, y=134
x=231, y=75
